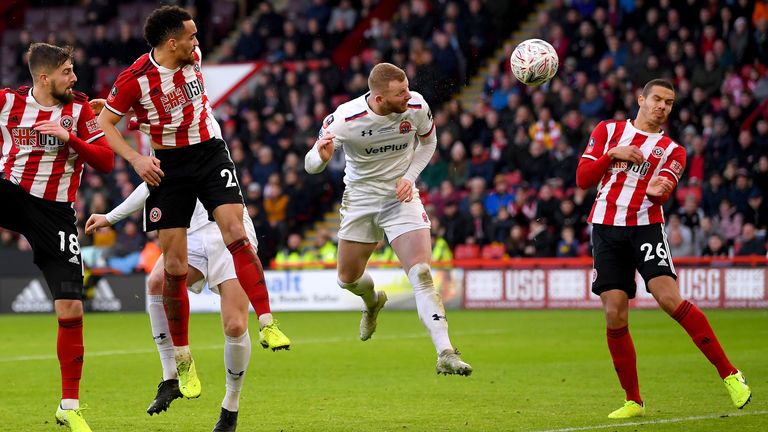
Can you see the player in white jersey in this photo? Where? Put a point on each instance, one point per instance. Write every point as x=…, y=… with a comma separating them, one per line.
x=208, y=262
x=388, y=137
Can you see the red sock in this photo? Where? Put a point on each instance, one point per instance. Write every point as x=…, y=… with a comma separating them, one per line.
x=176, y=304
x=624, y=361
x=69, y=347
x=695, y=323
x=250, y=274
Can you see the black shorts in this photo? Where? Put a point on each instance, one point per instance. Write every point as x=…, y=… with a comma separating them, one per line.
x=620, y=250
x=201, y=171
x=49, y=227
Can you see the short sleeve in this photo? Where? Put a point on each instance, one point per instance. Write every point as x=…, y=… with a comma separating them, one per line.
x=332, y=124
x=88, y=128
x=124, y=94
x=675, y=164
x=426, y=124
x=597, y=141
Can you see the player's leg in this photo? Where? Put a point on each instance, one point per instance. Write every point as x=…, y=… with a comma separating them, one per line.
x=237, y=350
x=414, y=250
x=352, y=257
x=50, y=229
x=658, y=271
x=613, y=279
x=695, y=323
x=161, y=334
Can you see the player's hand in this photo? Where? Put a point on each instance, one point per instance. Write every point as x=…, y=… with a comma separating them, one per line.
x=404, y=190
x=325, y=146
x=97, y=105
x=627, y=153
x=52, y=128
x=659, y=186
x=95, y=222
x=148, y=168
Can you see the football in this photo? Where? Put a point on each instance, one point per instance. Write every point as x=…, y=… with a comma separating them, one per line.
x=534, y=62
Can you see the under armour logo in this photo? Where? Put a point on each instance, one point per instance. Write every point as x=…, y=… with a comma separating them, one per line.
x=161, y=336
x=368, y=132
x=436, y=317
x=78, y=359
x=239, y=374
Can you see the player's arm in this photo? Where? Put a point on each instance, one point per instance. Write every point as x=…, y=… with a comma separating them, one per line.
x=660, y=187
x=421, y=157
x=147, y=167
x=596, y=160
x=317, y=158
x=92, y=146
x=132, y=204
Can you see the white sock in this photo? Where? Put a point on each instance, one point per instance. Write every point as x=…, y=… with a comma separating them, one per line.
x=237, y=354
x=430, y=306
x=162, y=336
x=70, y=404
x=265, y=320
x=362, y=287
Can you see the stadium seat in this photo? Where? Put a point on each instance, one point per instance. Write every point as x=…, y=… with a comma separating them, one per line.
x=467, y=251
x=493, y=251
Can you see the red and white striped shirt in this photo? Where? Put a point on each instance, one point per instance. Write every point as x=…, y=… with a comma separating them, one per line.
x=41, y=164
x=171, y=105
x=621, y=194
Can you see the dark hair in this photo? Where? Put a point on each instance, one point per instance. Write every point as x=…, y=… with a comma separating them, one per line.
x=657, y=82
x=164, y=23
x=47, y=58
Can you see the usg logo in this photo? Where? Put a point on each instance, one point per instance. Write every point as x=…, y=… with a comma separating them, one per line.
x=32, y=298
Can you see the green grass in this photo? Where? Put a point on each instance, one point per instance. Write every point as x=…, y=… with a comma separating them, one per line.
x=534, y=370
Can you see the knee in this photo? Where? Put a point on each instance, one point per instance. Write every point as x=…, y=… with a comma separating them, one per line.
x=348, y=276
x=420, y=274
x=669, y=302
x=175, y=265
x=66, y=308
x=155, y=284
x=235, y=326
x=615, y=317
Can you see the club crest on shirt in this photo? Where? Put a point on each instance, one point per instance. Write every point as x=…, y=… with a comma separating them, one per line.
x=591, y=145
x=405, y=127
x=67, y=122
x=657, y=152
x=112, y=94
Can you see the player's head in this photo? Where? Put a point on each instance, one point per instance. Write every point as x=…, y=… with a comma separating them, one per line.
x=389, y=88
x=52, y=70
x=656, y=101
x=171, y=28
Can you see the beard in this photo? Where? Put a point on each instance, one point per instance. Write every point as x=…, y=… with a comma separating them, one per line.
x=395, y=108
x=64, y=97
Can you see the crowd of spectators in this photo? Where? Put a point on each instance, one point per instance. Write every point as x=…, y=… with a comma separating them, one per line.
x=502, y=178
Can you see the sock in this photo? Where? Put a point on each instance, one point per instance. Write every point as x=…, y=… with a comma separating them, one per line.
x=162, y=336
x=695, y=323
x=430, y=306
x=265, y=320
x=69, y=347
x=250, y=274
x=176, y=303
x=624, y=361
x=182, y=353
x=237, y=354
x=362, y=287
x=70, y=404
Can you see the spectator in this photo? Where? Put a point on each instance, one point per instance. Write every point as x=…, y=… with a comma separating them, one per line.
x=292, y=255
x=715, y=247
x=567, y=246
x=749, y=243
x=499, y=197
x=757, y=211
x=457, y=226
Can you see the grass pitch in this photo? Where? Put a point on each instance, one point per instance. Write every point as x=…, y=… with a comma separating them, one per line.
x=534, y=371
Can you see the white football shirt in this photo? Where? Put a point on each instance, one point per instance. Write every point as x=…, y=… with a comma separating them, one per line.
x=378, y=149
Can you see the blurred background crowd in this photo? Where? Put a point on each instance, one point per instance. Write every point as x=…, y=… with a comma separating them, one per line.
x=502, y=181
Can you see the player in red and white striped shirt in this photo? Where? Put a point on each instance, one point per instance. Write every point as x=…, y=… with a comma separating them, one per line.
x=47, y=132
x=636, y=168
x=166, y=91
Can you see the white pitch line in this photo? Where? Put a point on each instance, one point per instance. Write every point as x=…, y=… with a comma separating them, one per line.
x=653, y=422
x=296, y=342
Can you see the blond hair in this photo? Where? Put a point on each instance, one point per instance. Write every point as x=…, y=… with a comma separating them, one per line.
x=382, y=74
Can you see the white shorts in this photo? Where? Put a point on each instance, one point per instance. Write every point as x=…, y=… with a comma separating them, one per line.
x=366, y=218
x=208, y=254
